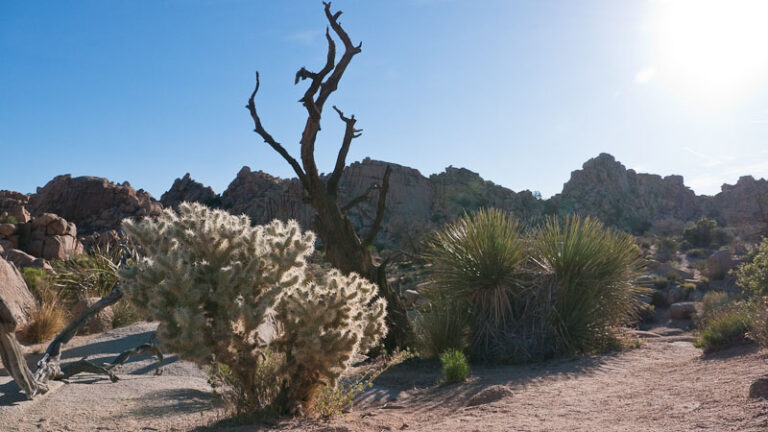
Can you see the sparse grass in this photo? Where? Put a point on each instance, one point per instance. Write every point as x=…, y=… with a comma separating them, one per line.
x=455, y=366
x=51, y=316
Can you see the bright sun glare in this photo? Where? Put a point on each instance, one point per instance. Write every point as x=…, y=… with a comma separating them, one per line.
x=713, y=50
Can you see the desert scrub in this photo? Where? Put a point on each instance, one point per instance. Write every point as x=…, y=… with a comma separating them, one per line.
x=561, y=289
x=51, y=316
x=589, y=269
x=443, y=326
x=727, y=326
x=93, y=274
x=753, y=274
x=226, y=293
x=476, y=266
x=455, y=366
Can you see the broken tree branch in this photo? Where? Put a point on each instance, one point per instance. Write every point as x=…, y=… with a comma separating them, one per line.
x=350, y=133
x=259, y=129
x=362, y=197
x=332, y=83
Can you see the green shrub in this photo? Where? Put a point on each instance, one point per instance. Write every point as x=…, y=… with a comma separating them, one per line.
x=564, y=288
x=753, y=274
x=94, y=274
x=698, y=253
x=666, y=249
x=727, y=327
x=9, y=220
x=711, y=302
x=705, y=233
x=444, y=326
x=661, y=284
x=688, y=288
x=35, y=279
x=591, y=268
x=477, y=262
x=455, y=366
x=213, y=280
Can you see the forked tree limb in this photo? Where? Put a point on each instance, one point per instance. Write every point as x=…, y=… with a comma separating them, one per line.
x=382, y=205
x=48, y=367
x=350, y=133
x=332, y=83
x=259, y=129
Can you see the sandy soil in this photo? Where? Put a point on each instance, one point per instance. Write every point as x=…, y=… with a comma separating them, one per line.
x=665, y=385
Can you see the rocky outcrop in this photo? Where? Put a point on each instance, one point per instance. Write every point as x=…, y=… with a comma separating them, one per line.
x=623, y=199
x=743, y=205
x=15, y=299
x=186, y=189
x=13, y=207
x=93, y=203
x=47, y=236
x=264, y=197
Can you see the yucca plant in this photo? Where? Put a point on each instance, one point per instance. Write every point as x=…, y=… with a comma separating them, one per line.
x=476, y=263
x=443, y=327
x=591, y=268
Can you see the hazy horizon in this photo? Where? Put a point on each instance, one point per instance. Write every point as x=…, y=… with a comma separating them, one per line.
x=520, y=92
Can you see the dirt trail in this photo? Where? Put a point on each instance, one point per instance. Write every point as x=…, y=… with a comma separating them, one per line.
x=665, y=385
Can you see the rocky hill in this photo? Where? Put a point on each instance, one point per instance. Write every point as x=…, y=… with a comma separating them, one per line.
x=603, y=187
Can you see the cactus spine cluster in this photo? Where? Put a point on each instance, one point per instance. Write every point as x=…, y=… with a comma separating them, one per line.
x=214, y=282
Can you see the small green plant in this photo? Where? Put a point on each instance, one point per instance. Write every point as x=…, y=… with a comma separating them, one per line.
x=705, y=233
x=688, y=287
x=9, y=220
x=753, y=275
x=455, y=366
x=728, y=327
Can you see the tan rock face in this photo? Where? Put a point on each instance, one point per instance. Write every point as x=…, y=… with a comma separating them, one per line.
x=47, y=237
x=16, y=302
x=92, y=203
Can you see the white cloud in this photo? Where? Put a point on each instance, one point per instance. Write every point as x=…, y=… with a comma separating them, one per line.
x=645, y=75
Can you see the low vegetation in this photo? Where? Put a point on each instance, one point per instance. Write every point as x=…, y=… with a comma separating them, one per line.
x=237, y=299
x=46, y=321
x=455, y=366
x=560, y=289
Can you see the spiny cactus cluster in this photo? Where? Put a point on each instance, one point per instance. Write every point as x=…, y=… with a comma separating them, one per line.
x=212, y=280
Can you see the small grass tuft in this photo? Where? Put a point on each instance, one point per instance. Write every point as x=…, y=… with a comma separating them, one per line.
x=455, y=366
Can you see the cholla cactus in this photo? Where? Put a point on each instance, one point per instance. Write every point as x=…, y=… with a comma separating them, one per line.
x=212, y=279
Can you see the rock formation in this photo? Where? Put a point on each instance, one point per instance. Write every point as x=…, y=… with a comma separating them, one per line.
x=186, y=189
x=12, y=207
x=93, y=203
x=15, y=297
x=623, y=199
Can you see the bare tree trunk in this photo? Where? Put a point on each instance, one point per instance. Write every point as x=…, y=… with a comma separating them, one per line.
x=343, y=247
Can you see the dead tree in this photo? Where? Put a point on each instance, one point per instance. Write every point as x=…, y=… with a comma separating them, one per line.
x=343, y=247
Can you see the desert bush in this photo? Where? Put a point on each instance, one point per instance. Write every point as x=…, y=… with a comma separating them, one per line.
x=725, y=327
x=753, y=274
x=444, y=326
x=705, y=233
x=477, y=262
x=215, y=282
x=666, y=249
x=9, y=220
x=93, y=274
x=455, y=366
x=592, y=268
x=711, y=302
x=51, y=316
x=562, y=288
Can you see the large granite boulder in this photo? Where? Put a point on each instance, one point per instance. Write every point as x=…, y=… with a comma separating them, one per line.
x=718, y=264
x=16, y=302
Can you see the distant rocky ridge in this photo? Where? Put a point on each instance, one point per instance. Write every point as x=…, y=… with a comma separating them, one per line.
x=416, y=204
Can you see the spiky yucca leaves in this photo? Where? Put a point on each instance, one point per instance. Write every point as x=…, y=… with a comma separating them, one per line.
x=477, y=261
x=591, y=268
x=212, y=279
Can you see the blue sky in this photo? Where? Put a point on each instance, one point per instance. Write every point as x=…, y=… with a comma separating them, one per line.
x=522, y=92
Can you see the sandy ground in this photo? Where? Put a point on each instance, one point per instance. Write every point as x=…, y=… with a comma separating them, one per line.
x=665, y=385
